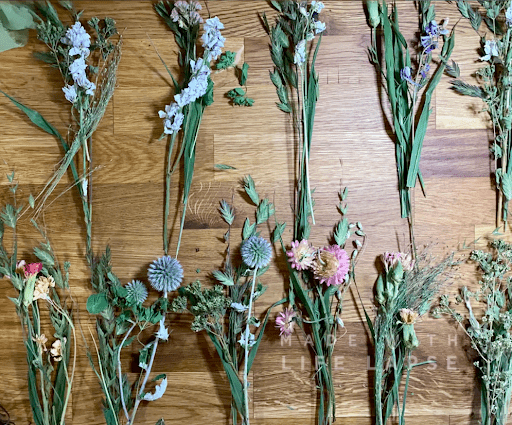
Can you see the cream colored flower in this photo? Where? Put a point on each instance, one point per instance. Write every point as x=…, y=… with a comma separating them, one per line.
x=41, y=341
x=408, y=316
x=42, y=288
x=56, y=350
x=325, y=265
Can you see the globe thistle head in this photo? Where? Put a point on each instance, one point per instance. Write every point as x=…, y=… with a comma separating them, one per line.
x=256, y=252
x=165, y=274
x=137, y=292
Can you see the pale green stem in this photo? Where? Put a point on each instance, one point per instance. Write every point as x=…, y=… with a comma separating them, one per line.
x=119, y=374
x=146, y=376
x=185, y=199
x=68, y=379
x=247, y=333
x=305, y=141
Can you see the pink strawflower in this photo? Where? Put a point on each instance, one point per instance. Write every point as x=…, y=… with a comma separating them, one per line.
x=285, y=322
x=332, y=265
x=391, y=259
x=301, y=255
x=33, y=268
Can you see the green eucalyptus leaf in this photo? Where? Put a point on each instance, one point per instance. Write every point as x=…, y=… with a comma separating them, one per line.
x=96, y=303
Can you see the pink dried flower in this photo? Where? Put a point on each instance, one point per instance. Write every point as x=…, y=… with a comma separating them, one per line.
x=285, y=322
x=33, y=268
x=332, y=265
x=301, y=255
x=391, y=259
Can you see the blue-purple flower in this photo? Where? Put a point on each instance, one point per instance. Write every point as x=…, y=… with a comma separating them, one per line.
x=316, y=6
x=173, y=118
x=424, y=70
x=431, y=40
x=406, y=75
x=165, y=274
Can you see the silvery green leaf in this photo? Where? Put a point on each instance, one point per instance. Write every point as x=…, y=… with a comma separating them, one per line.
x=360, y=233
x=248, y=229
x=10, y=177
x=250, y=189
x=224, y=167
x=354, y=254
x=341, y=232
x=16, y=301
x=160, y=422
x=506, y=186
x=358, y=243
x=31, y=201
x=359, y=225
x=264, y=211
x=223, y=278
x=227, y=212
x=278, y=232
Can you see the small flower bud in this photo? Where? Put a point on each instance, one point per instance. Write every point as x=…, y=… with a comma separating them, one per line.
x=373, y=13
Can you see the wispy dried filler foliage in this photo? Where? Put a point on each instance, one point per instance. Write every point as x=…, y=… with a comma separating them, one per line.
x=404, y=293
x=494, y=86
x=490, y=332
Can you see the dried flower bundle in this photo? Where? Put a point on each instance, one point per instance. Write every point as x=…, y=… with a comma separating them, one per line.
x=88, y=67
x=40, y=288
x=494, y=87
x=409, y=91
x=404, y=293
x=491, y=333
x=294, y=77
x=122, y=318
x=193, y=94
x=225, y=311
x=319, y=278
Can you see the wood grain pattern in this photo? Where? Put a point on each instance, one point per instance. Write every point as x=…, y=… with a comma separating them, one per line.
x=351, y=147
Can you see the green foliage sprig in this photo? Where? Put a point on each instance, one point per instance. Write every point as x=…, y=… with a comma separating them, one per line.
x=491, y=332
x=494, y=87
x=294, y=76
x=122, y=317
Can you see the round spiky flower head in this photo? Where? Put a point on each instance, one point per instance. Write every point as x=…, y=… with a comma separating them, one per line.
x=256, y=252
x=137, y=292
x=165, y=274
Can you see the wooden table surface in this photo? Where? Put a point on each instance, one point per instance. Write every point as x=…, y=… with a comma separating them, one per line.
x=350, y=148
